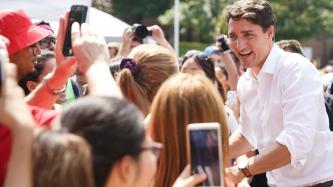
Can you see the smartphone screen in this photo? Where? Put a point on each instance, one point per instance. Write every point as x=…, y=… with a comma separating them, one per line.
x=78, y=13
x=205, y=152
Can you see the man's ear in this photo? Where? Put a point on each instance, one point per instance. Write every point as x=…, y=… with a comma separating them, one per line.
x=271, y=32
x=31, y=85
x=127, y=170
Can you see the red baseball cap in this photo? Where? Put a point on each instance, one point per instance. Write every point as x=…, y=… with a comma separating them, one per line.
x=21, y=33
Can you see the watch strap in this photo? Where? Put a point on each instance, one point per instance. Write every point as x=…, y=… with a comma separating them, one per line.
x=246, y=172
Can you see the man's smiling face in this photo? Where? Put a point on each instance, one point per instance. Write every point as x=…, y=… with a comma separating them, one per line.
x=250, y=43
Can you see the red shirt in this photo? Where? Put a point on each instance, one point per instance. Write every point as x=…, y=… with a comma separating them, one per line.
x=42, y=117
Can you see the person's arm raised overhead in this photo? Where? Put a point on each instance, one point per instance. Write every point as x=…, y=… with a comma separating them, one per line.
x=230, y=65
x=159, y=37
x=92, y=55
x=47, y=93
x=126, y=42
x=19, y=171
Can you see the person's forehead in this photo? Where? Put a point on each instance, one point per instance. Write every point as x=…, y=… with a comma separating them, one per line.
x=242, y=26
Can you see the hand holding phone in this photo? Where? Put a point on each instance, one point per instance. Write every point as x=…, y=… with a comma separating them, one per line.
x=3, y=59
x=205, y=148
x=78, y=13
x=222, y=43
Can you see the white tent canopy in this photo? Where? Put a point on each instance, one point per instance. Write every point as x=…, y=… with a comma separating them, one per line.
x=101, y=23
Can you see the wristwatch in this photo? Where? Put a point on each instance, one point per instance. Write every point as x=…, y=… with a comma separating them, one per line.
x=243, y=166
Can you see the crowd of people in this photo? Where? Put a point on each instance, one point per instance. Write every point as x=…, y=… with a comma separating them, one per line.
x=116, y=114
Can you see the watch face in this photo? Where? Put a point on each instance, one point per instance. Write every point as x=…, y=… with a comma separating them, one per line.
x=243, y=164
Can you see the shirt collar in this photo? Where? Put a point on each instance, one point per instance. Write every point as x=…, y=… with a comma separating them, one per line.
x=272, y=59
x=270, y=63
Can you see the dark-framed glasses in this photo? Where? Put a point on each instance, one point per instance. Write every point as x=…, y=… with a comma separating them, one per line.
x=46, y=42
x=154, y=147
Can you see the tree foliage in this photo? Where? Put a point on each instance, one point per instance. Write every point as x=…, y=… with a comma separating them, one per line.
x=197, y=19
x=135, y=11
x=304, y=19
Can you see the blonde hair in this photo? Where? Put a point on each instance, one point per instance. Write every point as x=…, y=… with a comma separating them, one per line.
x=182, y=100
x=61, y=159
x=155, y=65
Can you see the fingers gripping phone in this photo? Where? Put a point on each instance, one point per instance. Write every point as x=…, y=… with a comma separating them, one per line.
x=205, y=147
x=3, y=59
x=222, y=43
x=1, y=74
x=78, y=13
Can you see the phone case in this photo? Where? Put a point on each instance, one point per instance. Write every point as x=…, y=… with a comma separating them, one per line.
x=205, y=151
x=78, y=13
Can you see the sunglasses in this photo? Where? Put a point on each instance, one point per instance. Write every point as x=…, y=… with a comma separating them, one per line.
x=46, y=42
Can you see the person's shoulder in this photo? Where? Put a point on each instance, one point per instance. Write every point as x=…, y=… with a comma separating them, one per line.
x=297, y=62
x=295, y=59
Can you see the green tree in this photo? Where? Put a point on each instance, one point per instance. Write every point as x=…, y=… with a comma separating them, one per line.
x=197, y=19
x=135, y=11
x=303, y=20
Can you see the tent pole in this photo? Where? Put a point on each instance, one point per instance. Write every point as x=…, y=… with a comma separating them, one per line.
x=176, y=27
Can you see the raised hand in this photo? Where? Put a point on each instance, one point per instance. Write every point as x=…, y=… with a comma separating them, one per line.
x=185, y=179
x=87, y=47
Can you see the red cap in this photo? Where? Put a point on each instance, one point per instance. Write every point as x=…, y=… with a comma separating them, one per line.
x=21, y=33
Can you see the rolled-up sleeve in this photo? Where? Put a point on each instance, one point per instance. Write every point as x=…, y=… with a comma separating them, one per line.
x=301, y=102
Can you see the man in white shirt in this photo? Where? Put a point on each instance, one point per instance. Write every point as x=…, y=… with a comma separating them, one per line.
x=282, y=105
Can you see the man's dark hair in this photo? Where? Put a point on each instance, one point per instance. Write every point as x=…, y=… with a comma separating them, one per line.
x=113, y=127
x=293, y=46
x=258, y=12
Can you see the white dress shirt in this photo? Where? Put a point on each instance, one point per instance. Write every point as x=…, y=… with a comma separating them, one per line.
x=284, y=103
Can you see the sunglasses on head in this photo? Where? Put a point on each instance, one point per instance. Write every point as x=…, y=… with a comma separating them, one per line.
x=203, y=58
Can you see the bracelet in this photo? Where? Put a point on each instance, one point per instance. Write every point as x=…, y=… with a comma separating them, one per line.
x=51, y=91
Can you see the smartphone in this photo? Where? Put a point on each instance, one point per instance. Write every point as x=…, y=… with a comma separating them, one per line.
x=223, y=43
x=78, y=13
x=205, y=147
